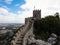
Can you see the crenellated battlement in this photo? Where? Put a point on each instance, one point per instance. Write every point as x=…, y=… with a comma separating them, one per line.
x=37, y=10
x=37, y=14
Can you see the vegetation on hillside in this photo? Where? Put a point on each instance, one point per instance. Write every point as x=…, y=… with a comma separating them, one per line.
x=45, y=26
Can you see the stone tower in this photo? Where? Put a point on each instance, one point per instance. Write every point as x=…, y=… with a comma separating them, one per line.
x=37, y=14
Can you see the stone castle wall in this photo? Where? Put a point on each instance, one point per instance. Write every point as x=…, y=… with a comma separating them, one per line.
x=26, y=30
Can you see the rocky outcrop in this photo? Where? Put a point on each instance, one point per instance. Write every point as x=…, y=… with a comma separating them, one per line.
x=52, y=40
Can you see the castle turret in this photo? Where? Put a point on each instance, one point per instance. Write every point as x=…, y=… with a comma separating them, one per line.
x=37, y=14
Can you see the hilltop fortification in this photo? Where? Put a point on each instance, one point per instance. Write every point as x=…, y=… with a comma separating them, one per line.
x=25, y=32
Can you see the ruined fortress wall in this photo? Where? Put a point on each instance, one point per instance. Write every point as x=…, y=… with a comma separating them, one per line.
x=22, y=30
x=28, y=19
x=27, y=35
x=27, y=30
x=16, y=36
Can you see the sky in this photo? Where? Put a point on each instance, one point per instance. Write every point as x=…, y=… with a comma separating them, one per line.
x=15, y=11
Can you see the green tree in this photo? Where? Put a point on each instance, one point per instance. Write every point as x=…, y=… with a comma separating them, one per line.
x=57, y=14
x=47, y=25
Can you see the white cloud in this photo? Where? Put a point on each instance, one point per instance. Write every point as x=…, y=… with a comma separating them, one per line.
x=9, y=17
x=3, y=11
x=47, y=6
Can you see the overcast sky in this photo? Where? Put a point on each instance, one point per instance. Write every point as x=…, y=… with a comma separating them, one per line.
x=14, y=11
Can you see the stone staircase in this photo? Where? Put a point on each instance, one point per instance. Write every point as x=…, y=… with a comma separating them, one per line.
x=20, y=40
x=19, y=36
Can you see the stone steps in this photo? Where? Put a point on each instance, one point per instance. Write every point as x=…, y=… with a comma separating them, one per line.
x=20, y=40
x=20, y=35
